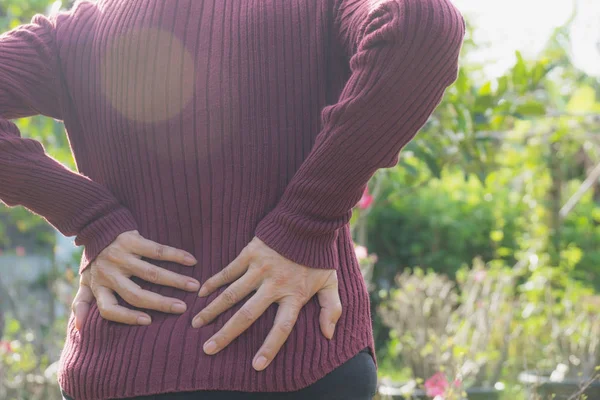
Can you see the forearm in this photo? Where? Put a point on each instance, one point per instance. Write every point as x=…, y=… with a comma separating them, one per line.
x=74, y=204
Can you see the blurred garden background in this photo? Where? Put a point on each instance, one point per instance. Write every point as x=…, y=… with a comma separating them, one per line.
x=481, y=248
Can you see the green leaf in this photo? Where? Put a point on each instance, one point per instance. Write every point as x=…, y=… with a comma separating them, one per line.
x=502, y=85
x=497, y=235
x=465, y=123
x=484, y=103
x=411, y=169
x=519, y=72
x=582, y=100
x=486, y=89
x=12, y=327
x=539, y=71
x=462, y=83
x=432, y=164
x=530, y=109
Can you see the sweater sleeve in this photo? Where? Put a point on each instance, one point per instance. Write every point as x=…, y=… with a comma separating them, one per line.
x=403, y=54
x=72, y=203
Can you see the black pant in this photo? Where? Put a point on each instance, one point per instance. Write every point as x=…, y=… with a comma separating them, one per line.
x=356, y=379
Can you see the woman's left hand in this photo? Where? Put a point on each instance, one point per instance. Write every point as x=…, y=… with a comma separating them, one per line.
x=276, y=280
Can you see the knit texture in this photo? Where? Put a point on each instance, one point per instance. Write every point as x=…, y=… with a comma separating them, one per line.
x=204, y=123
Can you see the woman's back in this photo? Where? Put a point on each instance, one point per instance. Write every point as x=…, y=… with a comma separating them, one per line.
x=195, y=117
x=203, y=124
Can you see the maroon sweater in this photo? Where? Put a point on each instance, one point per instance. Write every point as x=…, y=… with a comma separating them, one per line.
x=202, y=123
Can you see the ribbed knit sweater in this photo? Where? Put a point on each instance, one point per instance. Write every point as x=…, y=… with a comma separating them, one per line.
x=204, y=123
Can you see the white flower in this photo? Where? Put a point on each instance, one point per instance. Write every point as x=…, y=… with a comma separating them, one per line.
x=408, y=389
x=361, y=252
x=559, y=373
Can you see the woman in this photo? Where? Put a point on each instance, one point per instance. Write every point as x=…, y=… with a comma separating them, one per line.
x=239, y=134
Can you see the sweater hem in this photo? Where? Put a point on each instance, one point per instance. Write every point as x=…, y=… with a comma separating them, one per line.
x=325, y=369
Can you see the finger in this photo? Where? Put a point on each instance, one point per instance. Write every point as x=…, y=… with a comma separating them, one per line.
x=148, y=248
x=230, y=296
x=111, y=310
x=81, y=304
x=86, y=277
x=152, y=273
x=133, y=294
x=286, y=317
x=230, y=273
x=241, y=320
x=331, y=310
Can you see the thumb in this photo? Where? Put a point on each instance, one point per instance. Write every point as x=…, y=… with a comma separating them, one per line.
x=81, y=304
x=331, y=309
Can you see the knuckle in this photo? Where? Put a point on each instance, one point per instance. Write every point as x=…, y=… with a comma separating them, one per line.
x=246, y=251
x=230, y=297
x=263, y=268
x=268, y=296
x=93, y=274
x=208, y=314
x=295, y=304
x=280, y=280
x=159, y=251
x=163, y=307
x=100, y=271
x=102, y=275
x=152, y=274
x=85, y=276
x=209, y=285
x=268, y=351
x=123, y=239
x=246, y=314
x=251, y=246
x=300, y=293
x=253, y=266
x=127, y=243
x=338, y=306
x=107, y=315
x=105, y=276
x=104, y=313
x=222, y=339
x=112, y=254
x=285, y=327
x=337, y=309
x=166, y=305
x=271, y=293
x=132, y=297
x=226, y=274
x=204, y=315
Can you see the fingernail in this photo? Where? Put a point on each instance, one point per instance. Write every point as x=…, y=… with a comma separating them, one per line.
x=144, y=321
x=203, y=292
x=178, y=308
x=197, y=322
x=260, y=363
x=192, y=286
x=190, y=259
x=210, y=347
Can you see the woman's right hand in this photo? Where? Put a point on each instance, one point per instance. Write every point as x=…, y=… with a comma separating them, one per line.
x=111, y=272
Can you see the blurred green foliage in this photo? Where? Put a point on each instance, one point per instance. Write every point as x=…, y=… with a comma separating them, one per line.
x=491, y=169
x=18, y=226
